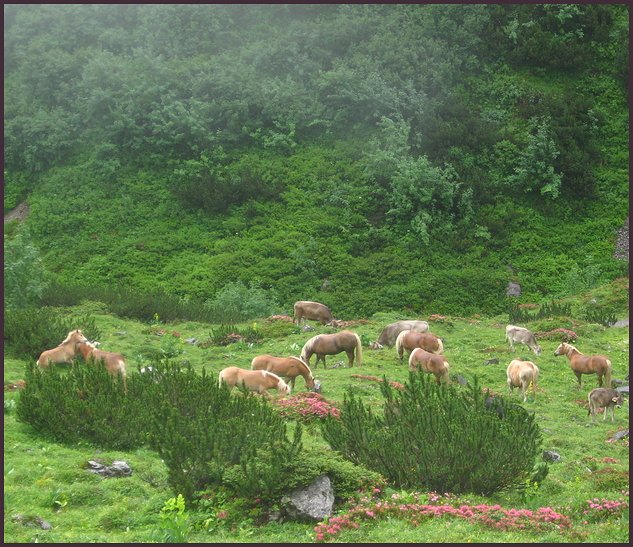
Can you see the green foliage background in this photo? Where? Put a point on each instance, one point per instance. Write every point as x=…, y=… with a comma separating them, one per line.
x=373, y=157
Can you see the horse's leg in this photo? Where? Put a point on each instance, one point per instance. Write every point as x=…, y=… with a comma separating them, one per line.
x=292, y=382
x=599, y=379
x=350, y=358
x=578, y=375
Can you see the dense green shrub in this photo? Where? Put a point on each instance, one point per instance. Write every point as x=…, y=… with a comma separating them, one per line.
x=199, y=429
x=300, y=470
x=229, y=334
x=84, y=404
x=236, y=302
x=29, y=331
x=438, y=437
x=24, y=273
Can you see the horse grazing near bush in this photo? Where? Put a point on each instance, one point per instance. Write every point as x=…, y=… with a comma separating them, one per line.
x=332, y=344
x=390, y=332
x=113, y=362
x=65, y=352
x=315, y=311
x=259, y=381
x=286, y=367
x=409, y=340
x=521, y=374
x=432, y=363
x=586, y=364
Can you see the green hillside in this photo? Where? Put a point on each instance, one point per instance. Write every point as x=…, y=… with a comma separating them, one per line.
x=409, y=158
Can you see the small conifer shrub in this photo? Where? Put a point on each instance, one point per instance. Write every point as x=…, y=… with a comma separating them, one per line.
x=437, y=437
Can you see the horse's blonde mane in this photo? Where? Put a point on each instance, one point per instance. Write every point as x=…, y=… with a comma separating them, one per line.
x=310, y=344
x=302, y=362
x=569, y=346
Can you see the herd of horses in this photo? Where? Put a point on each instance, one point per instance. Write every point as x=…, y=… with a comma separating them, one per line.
x=425, y=355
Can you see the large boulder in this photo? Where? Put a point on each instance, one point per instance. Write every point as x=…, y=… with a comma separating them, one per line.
x=310, y=503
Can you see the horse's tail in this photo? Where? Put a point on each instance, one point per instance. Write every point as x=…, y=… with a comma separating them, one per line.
x=220, y=378
x=399, y=343
x=359, y=350
x=607, y=374
x=440, y=345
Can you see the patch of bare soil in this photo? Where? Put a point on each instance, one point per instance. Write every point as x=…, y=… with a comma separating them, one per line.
x=622, y=243
x=19, y=213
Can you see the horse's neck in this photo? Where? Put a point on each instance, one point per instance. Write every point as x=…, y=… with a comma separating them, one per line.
x=85, y=350
x=572, y=351
x=305, y=371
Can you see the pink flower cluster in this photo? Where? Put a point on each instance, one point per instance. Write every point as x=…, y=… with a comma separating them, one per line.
x=601, y=509
x=544, y=518
x=307, y=406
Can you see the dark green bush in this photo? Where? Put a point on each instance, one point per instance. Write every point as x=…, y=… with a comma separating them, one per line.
x=30, y=331
x=599, y=315
x=200, y=429
x=85, y=404
x=229, y=334
x=438, y=437
x=300, y=470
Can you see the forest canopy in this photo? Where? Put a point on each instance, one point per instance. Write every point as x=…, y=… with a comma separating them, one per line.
x=442, y=150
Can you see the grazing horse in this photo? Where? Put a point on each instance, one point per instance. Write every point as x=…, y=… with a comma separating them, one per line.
x=409, y=340
x=65, y=352
x=113, y=362
x=331, y=344
x=390, y=332
x=315, y=311
x=286, y=367
x=523, y=336
x=521, y=374
x=258, y=381
x=433, y=363
x=586, y=364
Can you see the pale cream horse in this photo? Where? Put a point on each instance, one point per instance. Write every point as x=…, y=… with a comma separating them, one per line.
x=259, y=381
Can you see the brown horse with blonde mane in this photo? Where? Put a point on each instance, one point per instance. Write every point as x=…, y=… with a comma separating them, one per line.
x=332, y=344
x=258, y=381
x=425, y=361
x=586, y=364
x=409, y=340
x=285, y=367
x=65, y=352
x=113, y=362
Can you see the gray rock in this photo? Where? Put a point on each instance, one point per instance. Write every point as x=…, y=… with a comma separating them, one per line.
x=620, y=435
x=310, y=503
x=192, y=341
x=493, y=361
x=307, y=328
x=551, y=456
x=621, y=323
x=623, y=389
x=32, y=521
x=459, y=379
x=513, y=289
x=117, y=469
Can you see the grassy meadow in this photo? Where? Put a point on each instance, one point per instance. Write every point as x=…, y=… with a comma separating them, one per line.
x=49, y=480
